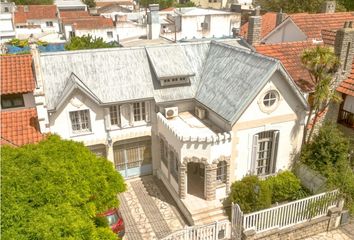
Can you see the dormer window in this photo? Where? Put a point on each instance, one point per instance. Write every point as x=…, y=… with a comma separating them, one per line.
x=174, y=81
x=12, y=101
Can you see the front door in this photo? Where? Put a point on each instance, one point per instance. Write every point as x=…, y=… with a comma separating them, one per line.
x=196, y=173
x=133, y=157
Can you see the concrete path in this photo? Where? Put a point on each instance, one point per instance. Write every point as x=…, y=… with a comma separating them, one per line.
x=345, y=232
x=148, y=210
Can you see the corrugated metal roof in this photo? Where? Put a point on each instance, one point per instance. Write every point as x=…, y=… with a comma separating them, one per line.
x=232, y=78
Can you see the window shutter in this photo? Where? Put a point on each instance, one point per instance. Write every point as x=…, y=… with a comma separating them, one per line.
x=131, y=114
x=254, y=154
x=273, y=160
x=107, y=120
x=125, y=115
x=147, y=111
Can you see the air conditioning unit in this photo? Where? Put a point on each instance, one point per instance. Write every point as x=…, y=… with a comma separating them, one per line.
x=171, y=112
x=200, y=112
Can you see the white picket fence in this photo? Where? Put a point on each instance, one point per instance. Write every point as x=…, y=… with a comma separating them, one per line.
x=291, y=213
x=214, y=231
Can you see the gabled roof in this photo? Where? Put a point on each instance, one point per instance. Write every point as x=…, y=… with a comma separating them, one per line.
x=313, y=24
x=347, y=86
x=16, y=74
x=226, y=78
x=268, y=24
x=24, y=13
x=19, y=127
x=290, y=55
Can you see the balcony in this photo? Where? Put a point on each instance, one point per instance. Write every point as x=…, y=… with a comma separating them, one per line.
x=346, y=118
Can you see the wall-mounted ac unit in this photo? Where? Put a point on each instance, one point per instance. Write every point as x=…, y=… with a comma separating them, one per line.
x=200, y=112
x=171, y=112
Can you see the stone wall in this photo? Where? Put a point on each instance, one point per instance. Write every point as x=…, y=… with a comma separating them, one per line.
x=299, y=231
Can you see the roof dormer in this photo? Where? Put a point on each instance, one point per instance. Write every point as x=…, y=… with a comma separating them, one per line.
x=170, y=65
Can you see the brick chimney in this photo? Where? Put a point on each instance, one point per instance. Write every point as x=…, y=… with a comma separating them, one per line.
x=153, y=22
x=280, y=17
x=344, y=47
x=328, y=7
x=254, y=28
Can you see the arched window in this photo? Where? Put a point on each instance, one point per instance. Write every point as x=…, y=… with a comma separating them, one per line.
x=264, y=154
x=221, y=172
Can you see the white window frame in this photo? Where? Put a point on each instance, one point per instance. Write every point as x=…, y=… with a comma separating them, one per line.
x=80, y=131
x=221, y=172
x=117, y=116
x=269, y=155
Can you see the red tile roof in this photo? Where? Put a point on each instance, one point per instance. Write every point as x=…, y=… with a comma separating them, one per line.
x=34, y=12
x=289, y=54
x=20, y=127
x=268, y=24
x=16, y=74
x=347, y=86
x=74, y=14
x=90, y=22
x=329, y=36
x=312, y=24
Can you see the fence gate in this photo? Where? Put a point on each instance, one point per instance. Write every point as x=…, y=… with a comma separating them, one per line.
x=236, y=222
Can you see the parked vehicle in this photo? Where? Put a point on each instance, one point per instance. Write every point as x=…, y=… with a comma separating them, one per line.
x=115, y=221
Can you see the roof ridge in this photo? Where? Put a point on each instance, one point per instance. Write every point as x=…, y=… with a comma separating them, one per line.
x=285, y=43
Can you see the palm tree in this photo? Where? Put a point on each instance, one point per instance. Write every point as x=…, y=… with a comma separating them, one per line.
x=322, y=64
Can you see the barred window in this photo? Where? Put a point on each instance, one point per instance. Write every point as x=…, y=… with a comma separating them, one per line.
x=80, y=121
x=139, y=111
x=221, y=172
x=164, y=151
x=114, y=115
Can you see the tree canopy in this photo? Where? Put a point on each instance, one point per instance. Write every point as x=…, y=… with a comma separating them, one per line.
x=33, y=2
x=297, y=6
x=88, y=42
x=54, y=189
x=322, y=64
x=90, y=3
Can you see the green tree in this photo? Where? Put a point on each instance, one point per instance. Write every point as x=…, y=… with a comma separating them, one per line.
x=295, y=6
x=328, y=154
x=33, y=2
x=54, y=189
x=322, y=64
x=90, y=3
x=348, y=4
x=88, y=42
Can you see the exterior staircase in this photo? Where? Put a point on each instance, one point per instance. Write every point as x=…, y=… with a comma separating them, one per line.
x=208, y=215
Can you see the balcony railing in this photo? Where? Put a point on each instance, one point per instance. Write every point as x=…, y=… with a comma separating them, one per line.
x=346, y=118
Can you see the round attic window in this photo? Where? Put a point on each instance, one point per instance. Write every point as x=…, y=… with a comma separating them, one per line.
x=269, y=101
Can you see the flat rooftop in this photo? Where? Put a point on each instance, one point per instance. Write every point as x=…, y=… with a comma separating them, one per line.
x=188, y=123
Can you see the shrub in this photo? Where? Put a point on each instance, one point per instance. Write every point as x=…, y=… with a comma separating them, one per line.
x=284, y=186
x=251, y=194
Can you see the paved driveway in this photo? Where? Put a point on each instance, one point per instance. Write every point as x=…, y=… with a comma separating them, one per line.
x=148, y=210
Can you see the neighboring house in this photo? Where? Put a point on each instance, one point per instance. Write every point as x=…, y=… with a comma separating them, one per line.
x=215, y=4
x=19, y=121
x=342, y=39
x=198, y=115
x=7, y=29
x=70, y=5
x=268, y=22
x=192, y=22
x=39, y=20
x=79, y=23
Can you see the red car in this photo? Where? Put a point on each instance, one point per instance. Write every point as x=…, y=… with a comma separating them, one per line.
x=115, y=221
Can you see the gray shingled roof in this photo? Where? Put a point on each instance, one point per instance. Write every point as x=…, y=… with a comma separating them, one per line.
x=232, y=78
x=226, y=78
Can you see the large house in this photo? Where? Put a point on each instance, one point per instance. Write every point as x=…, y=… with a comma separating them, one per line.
x=197, y=115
